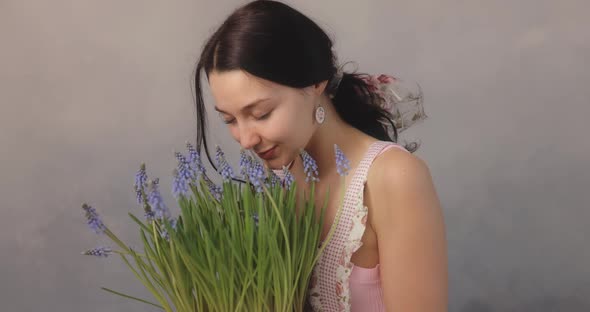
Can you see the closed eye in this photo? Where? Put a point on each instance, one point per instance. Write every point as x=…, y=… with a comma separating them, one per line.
x=233, y=120
x=265, y=116
x=226, y=121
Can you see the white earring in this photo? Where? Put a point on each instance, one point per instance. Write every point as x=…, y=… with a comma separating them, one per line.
x=320, y=115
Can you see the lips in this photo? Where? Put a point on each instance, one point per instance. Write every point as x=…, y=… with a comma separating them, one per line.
x=267, y=154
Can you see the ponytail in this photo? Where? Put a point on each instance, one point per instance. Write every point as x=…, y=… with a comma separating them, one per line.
x=359, y=105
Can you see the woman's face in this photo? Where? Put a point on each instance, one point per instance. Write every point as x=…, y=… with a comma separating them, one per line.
x=265, y=116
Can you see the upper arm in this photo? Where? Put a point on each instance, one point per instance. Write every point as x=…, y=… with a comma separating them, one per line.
x=407, y=217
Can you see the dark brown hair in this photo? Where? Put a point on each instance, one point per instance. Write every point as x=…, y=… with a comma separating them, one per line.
x=273, y=41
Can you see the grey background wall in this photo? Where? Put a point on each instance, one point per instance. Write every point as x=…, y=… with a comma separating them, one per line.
x=89, y=89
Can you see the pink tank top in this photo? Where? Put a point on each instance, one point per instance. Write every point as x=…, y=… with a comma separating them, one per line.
x=336, y=283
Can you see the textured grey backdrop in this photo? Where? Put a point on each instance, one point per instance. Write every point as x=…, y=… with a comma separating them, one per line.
x=89, y=89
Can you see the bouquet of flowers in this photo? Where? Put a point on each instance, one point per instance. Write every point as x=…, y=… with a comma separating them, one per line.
x=234, y=247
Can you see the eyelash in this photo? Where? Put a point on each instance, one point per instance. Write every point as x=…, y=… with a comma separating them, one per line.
x=227, y=122
x=263, y=117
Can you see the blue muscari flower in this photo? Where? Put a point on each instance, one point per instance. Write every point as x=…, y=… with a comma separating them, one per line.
x=185, y=170
x=150, y=215
x=194, y=160
x=226, y=171
x=93, y=220
x=180, y=185
x=156, y=201
x=274, y=179
x=138, y=195
x=288, y=178
x=214, y=189
x=140, y=183
x=309, y=167
x=342, y=163
x=164, y=233
x=245, y=162
x=257, y=175
x=98, y=252
x=140, y=189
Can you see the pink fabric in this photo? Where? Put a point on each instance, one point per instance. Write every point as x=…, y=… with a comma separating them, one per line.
x=365, y=289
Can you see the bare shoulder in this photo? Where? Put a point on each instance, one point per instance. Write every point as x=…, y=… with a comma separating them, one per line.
x=396, y=166
x=397, y=182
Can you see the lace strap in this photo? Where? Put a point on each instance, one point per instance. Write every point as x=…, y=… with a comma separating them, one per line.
x=376, y=149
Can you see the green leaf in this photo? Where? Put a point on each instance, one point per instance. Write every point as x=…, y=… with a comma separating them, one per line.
x=131, y=297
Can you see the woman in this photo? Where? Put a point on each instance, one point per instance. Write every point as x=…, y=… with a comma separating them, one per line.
x=275, y=82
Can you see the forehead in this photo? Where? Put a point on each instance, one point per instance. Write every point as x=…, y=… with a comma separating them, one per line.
x=236, y=88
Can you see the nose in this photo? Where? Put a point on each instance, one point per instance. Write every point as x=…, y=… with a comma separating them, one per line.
x=249, y=138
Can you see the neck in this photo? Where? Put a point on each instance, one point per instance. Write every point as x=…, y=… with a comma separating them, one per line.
x=334, y=130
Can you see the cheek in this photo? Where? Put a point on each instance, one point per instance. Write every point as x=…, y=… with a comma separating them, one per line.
x=281, y=130
x=235, y=132
x=291, y=128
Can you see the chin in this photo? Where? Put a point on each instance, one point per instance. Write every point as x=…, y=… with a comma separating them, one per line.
x=275, y=163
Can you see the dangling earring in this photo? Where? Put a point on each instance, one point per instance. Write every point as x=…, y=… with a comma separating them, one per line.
x=320, y=114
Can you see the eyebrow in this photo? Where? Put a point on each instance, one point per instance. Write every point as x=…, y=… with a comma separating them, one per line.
x=247, y=107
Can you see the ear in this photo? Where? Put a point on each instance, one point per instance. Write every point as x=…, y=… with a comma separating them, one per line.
x=319, y=87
